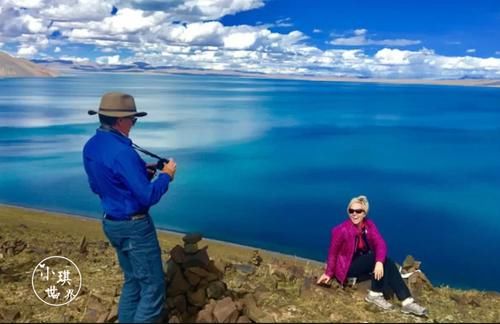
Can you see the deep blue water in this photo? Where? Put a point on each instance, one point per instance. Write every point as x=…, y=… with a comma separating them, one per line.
x=273, y=163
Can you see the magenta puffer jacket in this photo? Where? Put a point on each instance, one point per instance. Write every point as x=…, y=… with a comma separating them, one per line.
x=342, y=248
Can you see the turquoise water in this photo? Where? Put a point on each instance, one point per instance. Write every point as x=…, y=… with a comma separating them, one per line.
x=273, y=163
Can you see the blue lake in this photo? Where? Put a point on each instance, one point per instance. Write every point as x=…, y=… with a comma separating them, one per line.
x=273, y=163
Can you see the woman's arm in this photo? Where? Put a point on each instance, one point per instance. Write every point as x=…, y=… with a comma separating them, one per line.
x=378, y=243
x=333, y=252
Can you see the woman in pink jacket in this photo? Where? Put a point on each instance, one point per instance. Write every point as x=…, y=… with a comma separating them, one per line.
x=357, y=249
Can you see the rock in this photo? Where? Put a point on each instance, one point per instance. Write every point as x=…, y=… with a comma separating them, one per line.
x=192, y=238
x=216, y=289
x=177, y=254
x=256, y=258
x=178, y=285
x=191, y=248
x=10, y=251
x=225, y=311
x=243, y=319
x=200, y=272
x=102, y=317
x=214, y=269
x=418, y=282
x=192, y=278
x=174, y=319
x=253, y=312
x=180, y=303
x=197, y=297
x=199, y=259
x=83, y=245
x=113, y=314
x=245, y=269
x=171, y=269
x=10, y=315
x=1, y=256
x=205, y=316
x=408, y=262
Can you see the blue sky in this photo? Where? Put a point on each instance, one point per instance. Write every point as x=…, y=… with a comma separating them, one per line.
x=449, y=27
x=393, y=39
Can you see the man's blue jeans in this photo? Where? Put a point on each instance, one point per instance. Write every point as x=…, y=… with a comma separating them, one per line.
x=143, y=293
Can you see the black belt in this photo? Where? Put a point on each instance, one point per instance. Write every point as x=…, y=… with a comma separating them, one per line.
x=133, y=217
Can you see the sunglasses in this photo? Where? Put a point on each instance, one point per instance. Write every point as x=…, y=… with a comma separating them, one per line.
x=134, y=120
x=357, y=211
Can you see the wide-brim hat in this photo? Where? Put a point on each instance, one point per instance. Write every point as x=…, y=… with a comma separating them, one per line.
x=117, y=104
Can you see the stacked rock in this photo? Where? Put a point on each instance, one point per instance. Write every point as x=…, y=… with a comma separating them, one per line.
x=11, y=248
x=193, y=282
x=256, y=258
x=417, y=281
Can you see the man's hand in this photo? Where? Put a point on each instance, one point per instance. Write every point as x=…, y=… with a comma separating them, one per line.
x=170, y=168
x=378, y=271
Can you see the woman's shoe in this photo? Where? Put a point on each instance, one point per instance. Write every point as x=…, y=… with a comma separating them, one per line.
x=378, y=300
x=415, y=309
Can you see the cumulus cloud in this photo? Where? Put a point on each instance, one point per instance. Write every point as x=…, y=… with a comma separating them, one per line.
x=214, y=9
x=360, y=39
x=188, y=34
x=27, y=51
x=75, y=59
x=109, y=60
x=77, y=10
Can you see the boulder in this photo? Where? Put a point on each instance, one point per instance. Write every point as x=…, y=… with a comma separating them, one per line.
x=198, y=259
x=253, y=312
x=200, y=272
x=177, y=254
x=180, y=303
x=205, y=316
x=192, y=278
x=225, y=311
x=197, y=297
x=191, y=248
x=216, y=289
x=171, y=269
x=178, y=285
x=192, y=238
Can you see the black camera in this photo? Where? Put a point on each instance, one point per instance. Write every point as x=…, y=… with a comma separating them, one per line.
x=161, y=163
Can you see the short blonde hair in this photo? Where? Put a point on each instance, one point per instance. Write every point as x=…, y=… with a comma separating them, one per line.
x=362, y=200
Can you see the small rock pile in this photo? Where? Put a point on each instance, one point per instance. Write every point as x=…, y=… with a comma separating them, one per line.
x=11, y=248
x=417, y=282
x=195, y=290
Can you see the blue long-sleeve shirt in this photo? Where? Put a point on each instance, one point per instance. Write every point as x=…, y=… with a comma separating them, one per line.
x=118, y=175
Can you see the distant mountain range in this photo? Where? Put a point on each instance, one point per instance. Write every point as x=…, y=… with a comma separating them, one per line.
x=18, y=67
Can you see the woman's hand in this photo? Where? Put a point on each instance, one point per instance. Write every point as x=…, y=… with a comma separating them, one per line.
x=378, y=271
x=324, y=279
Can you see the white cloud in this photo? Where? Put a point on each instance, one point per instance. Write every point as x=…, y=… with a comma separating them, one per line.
x=111, y=60
x=77, y=10
x=189, y=35
x=359, y=39
x=31, y=4
x=471, y=50
x=75, y=59
x=214, y=9
x=317, y=31
x=27, y=51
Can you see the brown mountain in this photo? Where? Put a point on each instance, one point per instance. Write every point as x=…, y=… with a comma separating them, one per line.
x=17, y=67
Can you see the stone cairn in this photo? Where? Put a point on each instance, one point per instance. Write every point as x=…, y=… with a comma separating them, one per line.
x=195, y=290
x=11, y=248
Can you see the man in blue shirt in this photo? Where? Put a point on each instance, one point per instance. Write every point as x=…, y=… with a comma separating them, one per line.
x=120, y=178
